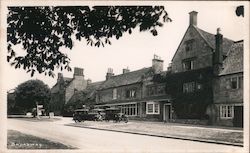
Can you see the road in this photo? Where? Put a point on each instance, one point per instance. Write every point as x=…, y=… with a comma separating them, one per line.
x=91, y=140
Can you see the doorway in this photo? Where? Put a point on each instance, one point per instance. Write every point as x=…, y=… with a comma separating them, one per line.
x=167, y=112
x=238, y=116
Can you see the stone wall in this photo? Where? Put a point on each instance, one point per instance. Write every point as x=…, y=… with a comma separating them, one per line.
x=224, y=95
x=77, y=84
x=201, y=52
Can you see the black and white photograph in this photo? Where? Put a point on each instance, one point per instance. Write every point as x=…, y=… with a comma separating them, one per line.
x=124, y=76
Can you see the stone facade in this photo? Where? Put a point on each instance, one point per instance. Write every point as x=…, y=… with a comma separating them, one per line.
x=201, y=53
x=228, y=89
x=65, y=88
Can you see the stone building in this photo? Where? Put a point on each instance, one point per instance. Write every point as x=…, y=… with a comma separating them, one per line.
x=65, y=88
x=136, y=93
x=228, y=88
x=204, y=82
x=198, y=73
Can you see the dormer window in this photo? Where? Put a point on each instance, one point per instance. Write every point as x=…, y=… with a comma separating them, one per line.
x=189, y=45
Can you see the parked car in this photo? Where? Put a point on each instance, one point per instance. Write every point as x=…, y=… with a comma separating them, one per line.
x=83, y=115
x=115, y=115
x=99, y=114
x=88, y=115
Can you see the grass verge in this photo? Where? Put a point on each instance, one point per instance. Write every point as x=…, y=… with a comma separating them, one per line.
x=18, y=140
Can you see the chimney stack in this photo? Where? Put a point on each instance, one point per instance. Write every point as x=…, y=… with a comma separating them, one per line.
x=218, y=53
x=157, y=64
x=109, y=73
x=59, y=76
x=89, y=81
x=78, y=71
x=193, y=18
x=126, y=70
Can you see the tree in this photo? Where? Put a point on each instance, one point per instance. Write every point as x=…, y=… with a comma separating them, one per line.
x=31, y=92
x=43, y=31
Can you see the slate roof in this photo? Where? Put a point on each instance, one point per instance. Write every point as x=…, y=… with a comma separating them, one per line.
x=56, y=88
x=127, y=78
x=234, y=61
x=210, y=39
x=91, y=88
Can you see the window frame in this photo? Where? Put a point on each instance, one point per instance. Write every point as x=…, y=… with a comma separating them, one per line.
x=131, y=93
x=226, y=111
x=238, y=80
x=189, y=87
x=154, y=104
x=188, y=62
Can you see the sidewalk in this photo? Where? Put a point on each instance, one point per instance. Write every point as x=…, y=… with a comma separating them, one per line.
x=219, y=135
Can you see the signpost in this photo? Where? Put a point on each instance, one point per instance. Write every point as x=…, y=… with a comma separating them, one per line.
x=38, y=110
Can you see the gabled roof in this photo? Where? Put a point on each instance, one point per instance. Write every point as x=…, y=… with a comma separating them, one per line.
x=127, y=78
x=234, y=61
x=210, y=39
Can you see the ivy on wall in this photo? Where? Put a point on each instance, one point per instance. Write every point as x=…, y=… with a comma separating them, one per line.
x=190, y=105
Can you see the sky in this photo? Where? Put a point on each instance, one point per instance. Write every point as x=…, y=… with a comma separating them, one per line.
x=136, y=51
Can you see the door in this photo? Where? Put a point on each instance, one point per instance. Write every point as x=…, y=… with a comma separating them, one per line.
x=238, y=116
x=166, y=113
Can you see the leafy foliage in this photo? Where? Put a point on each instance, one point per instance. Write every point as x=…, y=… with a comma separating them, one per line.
x=190, y=105
x=31, y=92
x=44, y=31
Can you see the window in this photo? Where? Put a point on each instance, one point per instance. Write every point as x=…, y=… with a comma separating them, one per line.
x=129, y=109
x=153, y=108
x=155, y=90
x=131, y=93
x=235, y=82
x=188, y=65
x=189, y=45
x=188, y=87
x=226, y=111
x=161, y=89
x=115, y=93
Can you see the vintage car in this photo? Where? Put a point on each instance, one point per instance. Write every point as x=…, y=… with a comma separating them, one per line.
x=88, y=115
x=115, y=115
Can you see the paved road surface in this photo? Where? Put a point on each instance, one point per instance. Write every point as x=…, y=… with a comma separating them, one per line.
x=107, y=141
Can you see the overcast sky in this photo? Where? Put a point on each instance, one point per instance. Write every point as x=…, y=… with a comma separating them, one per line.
x=136, y=51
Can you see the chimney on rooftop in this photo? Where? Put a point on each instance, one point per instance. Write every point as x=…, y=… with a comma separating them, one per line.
x=193, y=18
x=89, y=81
x=59, y=76
x=218, y=53
x=157, y=64
x=78, y=71
x=126, y=70
x=109, y=73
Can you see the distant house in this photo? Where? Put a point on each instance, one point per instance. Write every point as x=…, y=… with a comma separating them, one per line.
x=135, y=92
x=64, y=89
x=228, y=88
